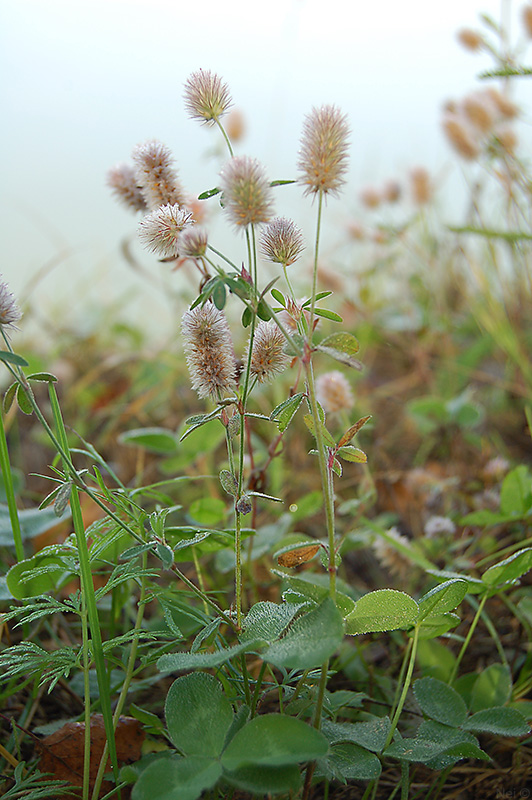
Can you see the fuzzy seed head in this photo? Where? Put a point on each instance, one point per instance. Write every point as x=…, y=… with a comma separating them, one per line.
x=506, y=107
x=470, y=39
x=480, y=110
x=460, y=136
x=391, y=558
x=207, y=97
x=235, y=125
x=421, y=186
x=281, y=241
x=370, y=197
x=156, y=176
x=526, y=16
x=123, y=183
x=247, y=192
x=9, y=311
x=209, y=351
x=507, y=139
x=437, y=526
x=193, y=242
x=391, y=192
x=267, y=355
x=323, y=155
x=160, y=230
x=334, y=392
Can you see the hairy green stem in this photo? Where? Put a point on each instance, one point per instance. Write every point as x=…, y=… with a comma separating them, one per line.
x=467, y=639
x=10, y=492
x=406, y=687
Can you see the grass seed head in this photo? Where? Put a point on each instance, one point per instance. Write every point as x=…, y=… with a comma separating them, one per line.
x=470, y=39
x=247, y=192
x=156, y=176
x=421, y=186
x=460, y=136
x=323, y=155
x=209, y=351
x=207, y=97
x=123, y=183
x=526, y=17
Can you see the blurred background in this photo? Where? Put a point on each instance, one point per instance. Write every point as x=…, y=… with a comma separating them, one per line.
x=84, y=82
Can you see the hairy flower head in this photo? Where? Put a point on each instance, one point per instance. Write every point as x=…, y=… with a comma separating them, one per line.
x=209, y=351
x=480, y=110
x=123, y=182
x=334, y=392
x=161, y=229
x=460, y=136
x=247, y=191
x=156, y=176
x=193, y=242
x=207, y=97
x=470, y=39
x=421, y=186
x=267, y=355
x=393, y=558
x=281, y=241
x=323, y=154
x=9, y=311
x=526, y=16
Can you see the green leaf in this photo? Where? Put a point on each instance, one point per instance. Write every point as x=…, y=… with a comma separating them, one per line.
x=342, y=347
x=516, y=492
x=9, y=397
x=37, y=575
x=324, y=312
x=33, y=522
x=207, y=510
x=493, y=687
x=155, y=440
x=499, y=720
x=310, y=641
x=273, y=740
x=284, y=413
x=435, y=659
x=262, y=781
x=308, y=419
x=371, y=735
x=350, y=453
x=229, y=482
x=445, y=597
x=436, y=625
x=12, y=358
x=424, y=750
x=474, y=585
x=279, y=296
x=198, y=715
x=209, y=193
x=177, y=778
x=247, y=316
x=382, y=610
x=267, y=621
x=45, y=377
x=219, y=295
x=23, y=400
x=510, y=569
x=440, y=702
x=173, y=662
x=347, y=761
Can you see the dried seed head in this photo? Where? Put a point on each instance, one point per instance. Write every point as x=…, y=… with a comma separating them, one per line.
x=9, y=311
x=209, y=351
x=421, y=186
x=526, y=16
x=155, y=175
x=323, y=155
x=207, y=97
x=480, y=110
x=334, y=392
x=267, y=356
x=235, y=125
x=391, y=558
x=370, y=197
x=506, y=107
x=160, y=230
x=247, y=191
x=507, y=138
x=470, y=39
x=460, y=136
x=281, y=241
x=123, y=183
x=391, y=192
x=193, y=242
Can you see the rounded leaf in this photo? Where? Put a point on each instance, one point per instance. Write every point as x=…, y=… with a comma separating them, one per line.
x=383, y=610
x=198, y=715
x=440, y=702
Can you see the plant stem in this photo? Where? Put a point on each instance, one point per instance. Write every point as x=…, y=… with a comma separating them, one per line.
x=467, y=639
x=10, y=491
x=406, y=687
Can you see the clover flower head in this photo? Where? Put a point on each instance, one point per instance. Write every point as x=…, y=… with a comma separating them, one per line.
x=10, y=313
x=123, y=183
x=268, y=358
x=209, y=351
x=156, y=176
x=247, y=192
x=207, y=97
x=281, y=241
x=161, y=229
x=193, y=242
x=334, y=392
x=323, y=155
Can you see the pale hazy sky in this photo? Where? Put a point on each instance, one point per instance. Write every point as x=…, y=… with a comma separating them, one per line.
x=83, y=82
